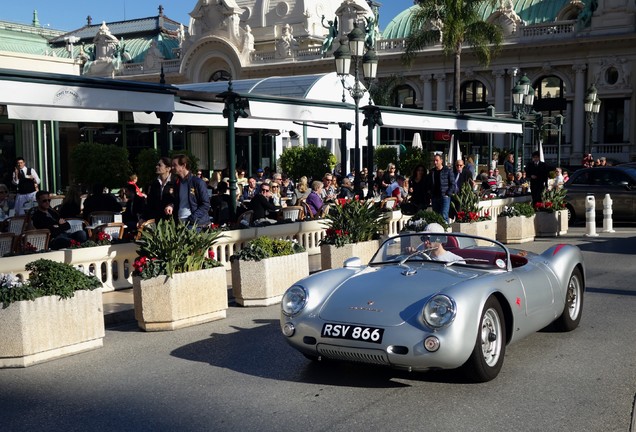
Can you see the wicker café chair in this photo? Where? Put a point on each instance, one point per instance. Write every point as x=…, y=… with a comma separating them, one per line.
x=150, y=223
x=77, y=224
x=102, y=217
x=293, y=213
x=114, y=229
x=17, y=224
x=37, y=240
x=7, y=243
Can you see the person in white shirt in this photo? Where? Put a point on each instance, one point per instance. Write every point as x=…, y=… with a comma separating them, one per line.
x=433, y=244
x=27, y=181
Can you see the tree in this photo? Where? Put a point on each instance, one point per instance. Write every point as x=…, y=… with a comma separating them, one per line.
x=104, y=164
x=383, y=91
x=454, y=24
x=311, y=161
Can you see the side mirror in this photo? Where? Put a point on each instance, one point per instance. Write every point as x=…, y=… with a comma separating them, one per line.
x=352, y=262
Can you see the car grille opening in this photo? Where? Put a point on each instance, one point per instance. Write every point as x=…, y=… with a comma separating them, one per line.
x=361, y=355
x=308, y=340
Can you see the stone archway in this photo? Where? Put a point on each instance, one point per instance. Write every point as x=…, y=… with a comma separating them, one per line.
x=209, y=55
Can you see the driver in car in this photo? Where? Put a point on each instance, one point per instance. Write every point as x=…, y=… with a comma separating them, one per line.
x=433, y=244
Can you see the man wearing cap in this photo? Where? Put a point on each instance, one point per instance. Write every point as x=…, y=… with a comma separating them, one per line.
x=260, y=176
x=433, y=244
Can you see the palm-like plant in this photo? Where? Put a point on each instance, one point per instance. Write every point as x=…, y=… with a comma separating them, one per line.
x=454, y=24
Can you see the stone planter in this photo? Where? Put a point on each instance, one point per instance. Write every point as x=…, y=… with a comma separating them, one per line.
x=263, y=283
x=184, y=300
x=487, y=229
x=332, y=257
x=551, y=224
x=518, y=229
x=49, y=327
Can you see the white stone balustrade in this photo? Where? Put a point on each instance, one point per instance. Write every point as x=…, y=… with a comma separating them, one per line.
x=113, y=264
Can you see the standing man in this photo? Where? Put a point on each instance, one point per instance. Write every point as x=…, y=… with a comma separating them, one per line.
x=537, y=171
x=442, y=185
x=462, y=176
x=509, y=165
x=27, y=181
x=192, y=194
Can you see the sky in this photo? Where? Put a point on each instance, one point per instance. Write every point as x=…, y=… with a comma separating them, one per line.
x=71, y=14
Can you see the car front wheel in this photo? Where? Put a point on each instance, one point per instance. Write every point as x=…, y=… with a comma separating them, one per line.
x=487, y=357
x=571, y=316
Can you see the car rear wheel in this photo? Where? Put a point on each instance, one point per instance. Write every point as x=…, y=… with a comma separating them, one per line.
x=487, y=357
x=571, y=316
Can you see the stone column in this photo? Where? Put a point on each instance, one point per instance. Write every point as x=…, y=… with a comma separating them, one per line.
x=427, y=92
x=579, y=125
x=441, y=91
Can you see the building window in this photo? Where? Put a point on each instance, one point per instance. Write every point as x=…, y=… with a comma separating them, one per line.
x=613, y=118
x=473, y=96
x=220, y=75
x=404, y=96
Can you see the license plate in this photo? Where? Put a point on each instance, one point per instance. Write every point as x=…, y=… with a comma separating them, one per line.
x=352, y=332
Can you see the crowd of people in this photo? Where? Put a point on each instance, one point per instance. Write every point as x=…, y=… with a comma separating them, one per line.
x=181, y=194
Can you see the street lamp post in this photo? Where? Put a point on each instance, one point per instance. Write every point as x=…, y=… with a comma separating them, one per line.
x=523, y=100
x=592, y=107
x=353, y=47
x=559, y=120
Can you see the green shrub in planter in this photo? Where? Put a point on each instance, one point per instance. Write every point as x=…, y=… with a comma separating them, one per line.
x=265, y=247
x=517, y=209
x=47, y=278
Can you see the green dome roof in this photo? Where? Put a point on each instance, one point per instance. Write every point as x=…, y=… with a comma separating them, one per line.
x=531, y=11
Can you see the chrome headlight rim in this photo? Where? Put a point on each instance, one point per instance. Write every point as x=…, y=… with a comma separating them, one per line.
x=294, y=300
x=439, y=311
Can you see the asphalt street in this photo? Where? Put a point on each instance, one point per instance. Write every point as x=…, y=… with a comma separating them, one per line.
x=239, y=374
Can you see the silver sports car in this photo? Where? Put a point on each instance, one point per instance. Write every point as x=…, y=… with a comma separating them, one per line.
x=434, y=301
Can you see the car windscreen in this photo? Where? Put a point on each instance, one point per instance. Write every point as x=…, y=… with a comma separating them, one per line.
x=442, y=248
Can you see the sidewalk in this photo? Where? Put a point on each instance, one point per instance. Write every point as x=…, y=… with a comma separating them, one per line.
x=118, y=305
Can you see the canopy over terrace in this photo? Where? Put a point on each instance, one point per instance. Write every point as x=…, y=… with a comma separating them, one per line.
x=69, y=98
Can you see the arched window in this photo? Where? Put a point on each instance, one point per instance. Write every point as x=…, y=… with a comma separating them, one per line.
x=220, y=75
x=473, y=96
x=404, y=96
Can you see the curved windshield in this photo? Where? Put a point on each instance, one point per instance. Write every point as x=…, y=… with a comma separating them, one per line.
x=447, y=248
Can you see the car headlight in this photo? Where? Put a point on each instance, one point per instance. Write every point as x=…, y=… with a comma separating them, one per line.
x=439, y=311
x=294, y=300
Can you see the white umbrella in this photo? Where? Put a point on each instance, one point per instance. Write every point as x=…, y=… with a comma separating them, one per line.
x=541, y=158
x=454, y=152
x=417, y=141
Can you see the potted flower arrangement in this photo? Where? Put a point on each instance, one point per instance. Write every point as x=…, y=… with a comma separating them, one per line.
x=516, y=223
x=353, y=229
x=56, y=312
x=176, y=280
x=265, y=268
x=551, y=218
x=467, y=215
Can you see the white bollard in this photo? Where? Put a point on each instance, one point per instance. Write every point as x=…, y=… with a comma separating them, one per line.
x=590, y=216
x=608, y=225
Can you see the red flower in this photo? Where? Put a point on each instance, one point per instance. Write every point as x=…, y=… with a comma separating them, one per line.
x=342, y=201
x=102, y=236
x=210, y=254
x=547, y=204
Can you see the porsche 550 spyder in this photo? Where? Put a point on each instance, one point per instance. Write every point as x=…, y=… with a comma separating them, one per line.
x=408, y=309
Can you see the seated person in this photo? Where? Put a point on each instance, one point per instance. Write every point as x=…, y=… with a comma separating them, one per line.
x=220, y=208
x=314, y=201
x=100, y=201
x=44, y=217
x=433, y=244
x=134, y=209
x=261, y=204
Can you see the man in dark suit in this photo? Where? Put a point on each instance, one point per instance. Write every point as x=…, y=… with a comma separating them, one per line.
x=537, y=171
x=462, y=176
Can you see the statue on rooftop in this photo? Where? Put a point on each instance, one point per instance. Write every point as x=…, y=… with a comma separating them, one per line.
x=331, y=34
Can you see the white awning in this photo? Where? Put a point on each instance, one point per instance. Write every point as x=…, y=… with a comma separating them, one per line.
x=436, y=122
x=28, y=93
x=23, y=112
x=300, y=112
